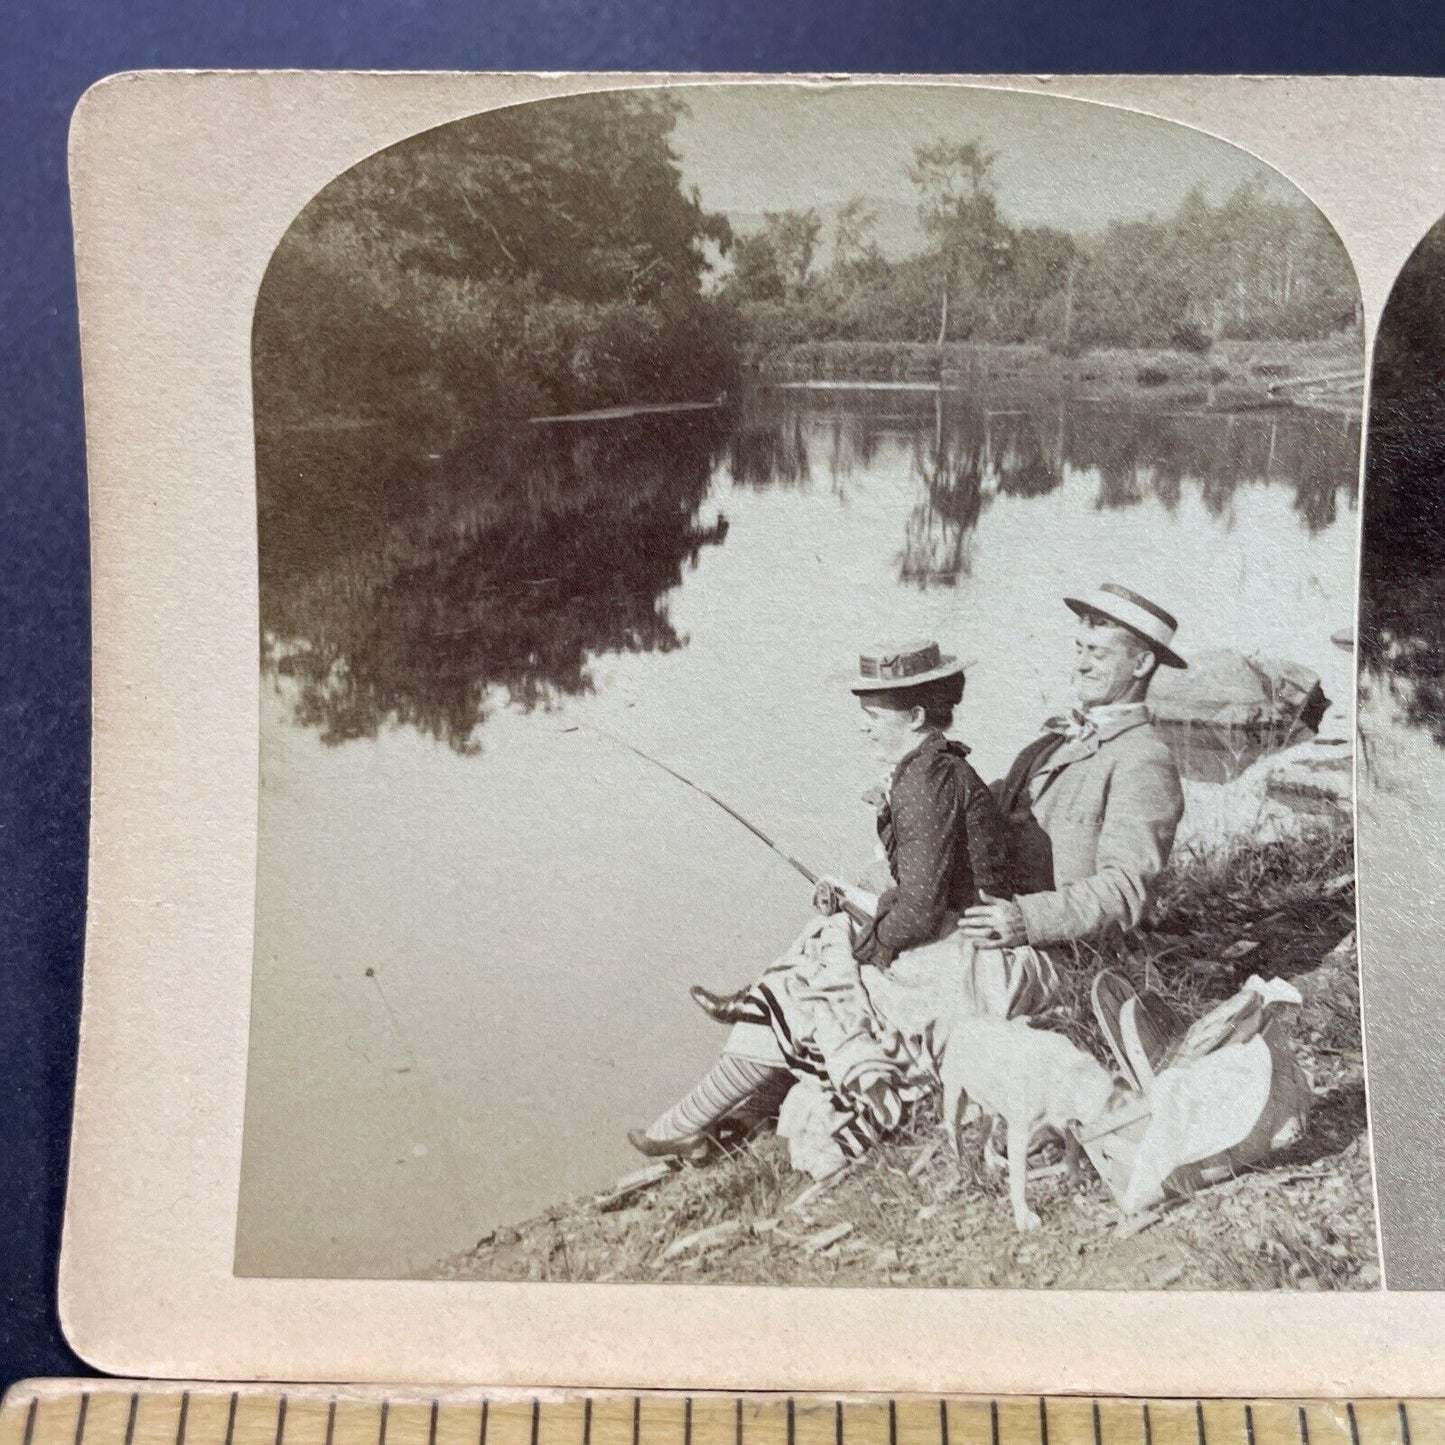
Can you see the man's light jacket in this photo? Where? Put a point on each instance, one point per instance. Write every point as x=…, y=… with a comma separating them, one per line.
x=1094, y=818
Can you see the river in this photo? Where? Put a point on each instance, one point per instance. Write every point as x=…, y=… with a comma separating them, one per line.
x=477, y=917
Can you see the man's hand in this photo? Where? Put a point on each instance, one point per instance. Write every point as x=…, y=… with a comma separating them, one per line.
x=998, y=922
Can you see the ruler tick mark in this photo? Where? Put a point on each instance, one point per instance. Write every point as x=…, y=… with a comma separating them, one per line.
x=636, y=1419
x=385, y=1411
x=993, y=1421
x=1148, y=1425
x=431, y=1427
x=1304, y=1427
x=129, y=1419
x=80, y=1417
x=331, y=1420
x=185, y=1415
x=1354, y=1423
x=1199, y=1422
x=792, y=1424
x=943, y=1422
x=738, y=1424
x=482, y=1437
x=687, y=1421
x=281, y=1421
x=30, y=1419
x=1043, y=1421
x=231, y=1416
x=1404, y=1425
x=1249, y=1423
x=536, y=1420
x=587, y=1421
x=1098, y=1428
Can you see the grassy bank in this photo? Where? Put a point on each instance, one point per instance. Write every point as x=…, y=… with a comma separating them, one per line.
x=1229, y=374
x=909, y=1214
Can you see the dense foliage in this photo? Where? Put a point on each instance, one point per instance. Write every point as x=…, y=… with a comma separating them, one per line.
x=531, y=260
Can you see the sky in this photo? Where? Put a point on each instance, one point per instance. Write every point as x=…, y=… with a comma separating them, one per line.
x=1061, y=162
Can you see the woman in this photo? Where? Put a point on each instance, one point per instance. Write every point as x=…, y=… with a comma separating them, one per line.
x=823, y=1011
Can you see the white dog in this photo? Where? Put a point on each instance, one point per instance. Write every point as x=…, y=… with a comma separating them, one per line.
x=1028, y=1077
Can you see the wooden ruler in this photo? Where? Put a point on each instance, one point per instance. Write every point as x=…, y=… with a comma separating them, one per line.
x=116, y=1412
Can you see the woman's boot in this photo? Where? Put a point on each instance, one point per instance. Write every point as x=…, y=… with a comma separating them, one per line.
x=726, y=1008
x=734, y=1087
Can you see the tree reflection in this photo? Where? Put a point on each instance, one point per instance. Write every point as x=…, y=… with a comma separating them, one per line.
x=949, y=461
x=769, y=451
x=500, y=583
x=1402, y=584
x=1024, y=464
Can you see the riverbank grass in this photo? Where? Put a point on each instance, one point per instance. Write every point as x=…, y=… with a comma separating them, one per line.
x=910, y=1213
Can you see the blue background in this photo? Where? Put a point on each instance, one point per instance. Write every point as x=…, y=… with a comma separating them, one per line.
x=49, y=55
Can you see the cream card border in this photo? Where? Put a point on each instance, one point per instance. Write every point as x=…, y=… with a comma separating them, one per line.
x=183, y=184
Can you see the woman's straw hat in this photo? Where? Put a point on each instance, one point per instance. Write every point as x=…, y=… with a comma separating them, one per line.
x=892, y=669
x=1137, y=614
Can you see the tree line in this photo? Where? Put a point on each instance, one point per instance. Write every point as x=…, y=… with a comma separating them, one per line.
x=1248, y=266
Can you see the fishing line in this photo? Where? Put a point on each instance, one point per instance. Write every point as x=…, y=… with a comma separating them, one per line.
x=851, y=909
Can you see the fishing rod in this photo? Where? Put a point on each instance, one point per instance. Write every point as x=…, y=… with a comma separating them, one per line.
x=851, y=909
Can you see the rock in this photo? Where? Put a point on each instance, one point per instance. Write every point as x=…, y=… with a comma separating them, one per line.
x=826, y=1238
x=887, y=1257
x=631, y=1185
x=702, y=1240
x=1313, y=778
x=814, y=1190
x=925, y=1158
x=1229, y=694
x=1131, y=1224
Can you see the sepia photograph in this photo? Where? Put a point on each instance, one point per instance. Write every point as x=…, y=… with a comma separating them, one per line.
x=807, y=650
x=1401, y=737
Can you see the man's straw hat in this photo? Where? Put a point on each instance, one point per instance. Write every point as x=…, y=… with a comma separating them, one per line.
x=1145, y=619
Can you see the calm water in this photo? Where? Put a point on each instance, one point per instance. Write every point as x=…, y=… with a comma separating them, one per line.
x=477, y=920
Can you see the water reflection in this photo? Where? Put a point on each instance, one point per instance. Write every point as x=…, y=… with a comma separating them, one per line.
x=1402, y=593
x=949, y=463
x=511, y=570
x=407, y=586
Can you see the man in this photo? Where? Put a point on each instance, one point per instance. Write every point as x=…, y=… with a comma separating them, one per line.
x=1093, y=805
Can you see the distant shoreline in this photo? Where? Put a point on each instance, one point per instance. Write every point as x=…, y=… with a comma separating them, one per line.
x=1231, y=375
